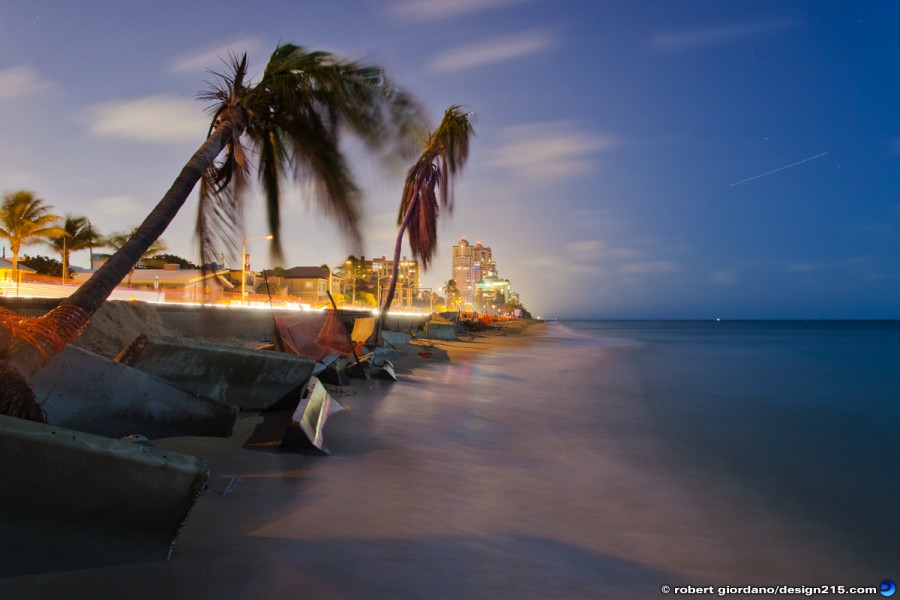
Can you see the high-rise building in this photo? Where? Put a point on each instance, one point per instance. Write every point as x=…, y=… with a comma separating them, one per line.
x=379, y=271
x=464, y=271
x=484, y=262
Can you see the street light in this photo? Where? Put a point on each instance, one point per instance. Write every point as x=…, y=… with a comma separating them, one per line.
x=244, y=264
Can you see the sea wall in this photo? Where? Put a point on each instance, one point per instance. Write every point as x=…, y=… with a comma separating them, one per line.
x=214, y=321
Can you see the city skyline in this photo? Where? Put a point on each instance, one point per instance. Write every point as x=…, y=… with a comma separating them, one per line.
x=640, y=160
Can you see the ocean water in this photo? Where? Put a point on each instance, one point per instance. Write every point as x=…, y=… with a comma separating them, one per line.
x=683, y=453
x=806, y=413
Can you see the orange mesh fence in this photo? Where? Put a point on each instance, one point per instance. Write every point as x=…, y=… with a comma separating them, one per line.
x=334, y=335
x=299, y=337
x=50, y=333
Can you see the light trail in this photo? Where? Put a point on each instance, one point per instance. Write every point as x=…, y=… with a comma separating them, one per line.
x=799, y=162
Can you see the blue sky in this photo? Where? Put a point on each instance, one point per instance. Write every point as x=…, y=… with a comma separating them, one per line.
x=632, y=160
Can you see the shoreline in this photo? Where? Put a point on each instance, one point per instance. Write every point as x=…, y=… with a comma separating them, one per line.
x=502, y=334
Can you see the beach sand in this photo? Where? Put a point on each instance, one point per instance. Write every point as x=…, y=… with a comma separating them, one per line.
x=281, y=524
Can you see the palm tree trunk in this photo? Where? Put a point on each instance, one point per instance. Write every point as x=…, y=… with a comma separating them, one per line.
x=90, y=296
x=26, y=359
x=398, y=246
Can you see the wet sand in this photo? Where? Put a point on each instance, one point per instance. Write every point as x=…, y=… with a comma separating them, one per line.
x=370, y=521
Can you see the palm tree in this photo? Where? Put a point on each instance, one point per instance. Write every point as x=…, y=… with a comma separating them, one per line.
x=293, y=121
x=79, y=236
x=452, y=292
x=25, y=219
x=444, y=157
x=118, y=239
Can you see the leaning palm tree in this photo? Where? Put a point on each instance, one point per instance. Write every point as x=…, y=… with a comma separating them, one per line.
x=291, y=123
x=25, y=219
x=79, y=235
x=444, y=157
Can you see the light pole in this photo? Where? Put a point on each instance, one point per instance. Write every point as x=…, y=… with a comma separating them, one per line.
x=244, y=265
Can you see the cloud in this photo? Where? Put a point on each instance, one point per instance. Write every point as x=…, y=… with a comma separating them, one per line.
x=21, y=81
x=548, y=150
x=650, y=267
x=723, y=277
x=492, y=51
x=562, y=266
x=433, y=10
x=719, y=35
x=119, y=208
x=805, y=267
x=159, y=119
x=216, y=57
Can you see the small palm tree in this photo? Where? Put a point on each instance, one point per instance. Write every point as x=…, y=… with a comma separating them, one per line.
x=79, y=236
x=25, y=219
x=444, y=157
x=292, y=122
x=452, y=292
x=118, y=239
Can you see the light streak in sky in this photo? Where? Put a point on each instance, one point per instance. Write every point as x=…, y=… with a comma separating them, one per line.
x=799, y=162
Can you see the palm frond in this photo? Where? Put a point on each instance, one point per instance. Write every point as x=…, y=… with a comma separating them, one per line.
x=293, y=120
x=442, y=160
x=220, y=210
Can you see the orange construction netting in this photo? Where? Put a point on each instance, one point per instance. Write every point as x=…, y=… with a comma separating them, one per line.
x=49, y=333
x=334, y=335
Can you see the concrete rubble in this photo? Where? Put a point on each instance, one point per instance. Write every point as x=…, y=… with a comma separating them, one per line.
x=245, y=378
x=89, y=489
x=82, y=390
x=74, y=500
x=307, y=427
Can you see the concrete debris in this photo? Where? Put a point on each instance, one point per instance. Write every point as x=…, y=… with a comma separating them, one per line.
x=74, y=500
x=248, y=379
x=307, y=429
x=84, y=391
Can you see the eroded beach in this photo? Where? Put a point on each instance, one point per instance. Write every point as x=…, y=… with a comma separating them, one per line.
x=526, y=466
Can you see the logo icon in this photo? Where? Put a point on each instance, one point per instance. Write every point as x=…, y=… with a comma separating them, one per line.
x=888, y=588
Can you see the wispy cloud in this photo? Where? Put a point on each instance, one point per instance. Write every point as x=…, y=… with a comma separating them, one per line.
x=215, y=57
x=434, y=10
x=493, y=51
x=720, y=35
x=650, y=267
x=123, y=208
x=549, y=150
x=21, y=81
x=723, y=277
x=159, y=119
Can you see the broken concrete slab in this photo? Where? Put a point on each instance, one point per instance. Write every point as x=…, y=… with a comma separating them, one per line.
x=438, y=331
x=88, y=392
x=307, y=429
x=395, y=337
x=248, y=379
x=73, y=500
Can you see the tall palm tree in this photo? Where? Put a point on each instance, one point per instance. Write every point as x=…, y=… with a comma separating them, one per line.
x=79, y=235
x=444, y=157
x=293, y=121
x=25, y=219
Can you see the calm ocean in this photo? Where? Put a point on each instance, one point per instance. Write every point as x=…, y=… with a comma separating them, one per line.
x=620, y=456
x=800, y=419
